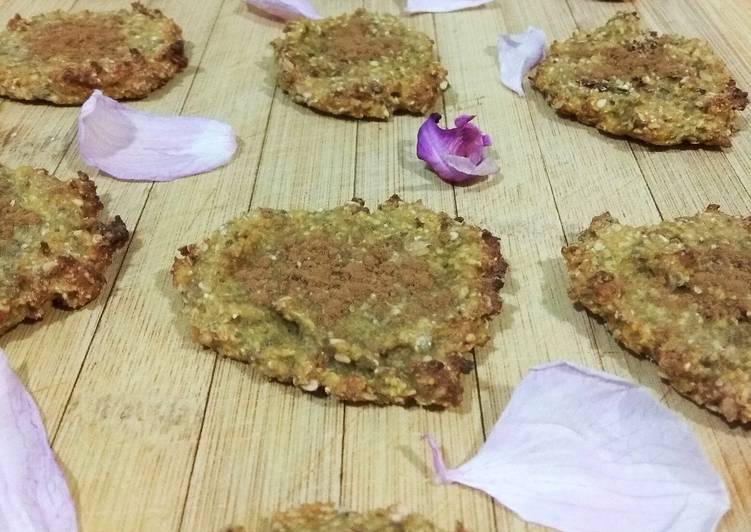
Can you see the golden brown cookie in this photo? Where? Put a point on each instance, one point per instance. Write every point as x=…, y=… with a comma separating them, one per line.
x=678, y=292
x=324, y=517
x=53, y=246
x=62, y=57
x=382, y=307
x=662, y=89
x=364, y=65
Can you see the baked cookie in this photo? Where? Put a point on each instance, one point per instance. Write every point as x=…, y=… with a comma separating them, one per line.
x=62, y=57
x=363, y=65
x=53, y=246
x=383, y=307
x=662, y=89
x=324, y=517
x=679, y=293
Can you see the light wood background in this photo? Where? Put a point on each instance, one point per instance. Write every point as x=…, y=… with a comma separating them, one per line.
x=155, y=434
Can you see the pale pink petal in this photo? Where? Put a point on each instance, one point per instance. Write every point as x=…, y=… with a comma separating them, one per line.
x=286, y=9
x=581, y=450
x=518, y=53
x=33, y=494
x=138, y=146
x=441, y=6
x=456, y=154
x=441, y=472
x=465, y=166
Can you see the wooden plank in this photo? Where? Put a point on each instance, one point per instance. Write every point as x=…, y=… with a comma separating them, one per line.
x=35, y=134
x=137, y=407
x=538, y=324
x=265, y=446
x=684, y=181
x=384, y=458
x=159, y=435
x=38, y=135
x=720, y=24
x=728, y=447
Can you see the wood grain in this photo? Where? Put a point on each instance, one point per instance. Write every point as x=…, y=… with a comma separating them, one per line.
x=384, y=458
x=156, y=434
x=295, y=439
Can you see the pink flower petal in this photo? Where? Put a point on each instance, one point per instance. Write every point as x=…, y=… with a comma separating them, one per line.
x=581, y=450
x=441, y=471
x=33, y=494
x=457, y=155
x=286, y=9
x=138, y=146
x=518, y=53
x=441, y=6
x=465, y=166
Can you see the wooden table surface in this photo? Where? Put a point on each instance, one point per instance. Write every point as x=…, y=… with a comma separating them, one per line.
x=155, y=434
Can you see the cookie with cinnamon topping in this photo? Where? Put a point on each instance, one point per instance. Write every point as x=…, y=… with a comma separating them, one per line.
x=662, y=89
x=62, y=57
x=54, y=248
x=678, y=292
x=382, y=306
x=363, y=65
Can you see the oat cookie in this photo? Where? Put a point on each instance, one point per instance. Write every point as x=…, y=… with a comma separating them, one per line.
x=382, y=307
x=662, y=89
x=323, y=517
x=62, y=57
x=53, y=246
x=364, y=65
x=679, y=293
